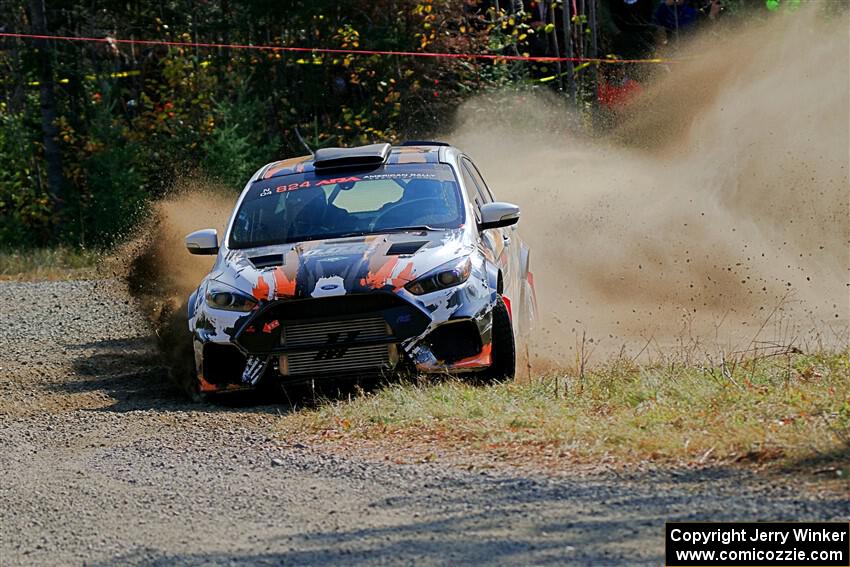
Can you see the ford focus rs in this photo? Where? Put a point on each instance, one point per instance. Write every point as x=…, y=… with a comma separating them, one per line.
x=361, y=262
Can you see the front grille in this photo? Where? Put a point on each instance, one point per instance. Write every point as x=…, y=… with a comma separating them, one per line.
x=342, y=360
x=328, y=333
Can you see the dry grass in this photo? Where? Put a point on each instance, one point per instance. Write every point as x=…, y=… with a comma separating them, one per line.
x=777, y=411
x=48, y=264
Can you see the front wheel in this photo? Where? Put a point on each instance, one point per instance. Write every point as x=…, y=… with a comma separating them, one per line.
x=503, y=353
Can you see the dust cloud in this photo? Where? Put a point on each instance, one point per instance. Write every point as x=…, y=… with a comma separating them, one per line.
x=715, y=216
x=160, y=266
x=161, y=274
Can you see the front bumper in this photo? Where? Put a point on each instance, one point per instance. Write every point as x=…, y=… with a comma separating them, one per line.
x=350, y=335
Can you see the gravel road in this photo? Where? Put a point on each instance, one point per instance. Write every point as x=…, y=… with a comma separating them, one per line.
x=102, y=462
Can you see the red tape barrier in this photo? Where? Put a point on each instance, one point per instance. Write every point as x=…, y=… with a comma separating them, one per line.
x=326, y=50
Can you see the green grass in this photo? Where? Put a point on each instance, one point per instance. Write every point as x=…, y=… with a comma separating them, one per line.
x=48, y=263
x=780, y=410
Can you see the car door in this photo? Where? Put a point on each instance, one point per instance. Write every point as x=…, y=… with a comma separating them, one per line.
x=497, y=240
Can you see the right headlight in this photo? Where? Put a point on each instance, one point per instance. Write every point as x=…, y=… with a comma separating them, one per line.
x=449, y=274
x=221, y=297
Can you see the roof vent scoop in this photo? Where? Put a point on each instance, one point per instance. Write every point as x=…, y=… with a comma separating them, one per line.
x=363, y=156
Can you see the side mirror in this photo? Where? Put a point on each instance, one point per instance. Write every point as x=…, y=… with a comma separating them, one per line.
x=497, y=215
x=203, y=242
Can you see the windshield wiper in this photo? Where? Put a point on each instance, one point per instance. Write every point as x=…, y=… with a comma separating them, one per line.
x=346, y=234
x=419, y=228
x=414, y=228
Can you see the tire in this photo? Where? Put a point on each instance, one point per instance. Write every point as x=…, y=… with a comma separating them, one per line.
x=178, y=351
x=526, y=313
x=185, y=376
x=522, y=313
x=503, y=353
x=192, y=388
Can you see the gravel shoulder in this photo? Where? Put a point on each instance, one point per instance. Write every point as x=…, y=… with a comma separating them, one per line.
x=102, y=462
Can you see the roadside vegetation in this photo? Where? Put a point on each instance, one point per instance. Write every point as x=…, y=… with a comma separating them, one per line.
x=787, y=410
x=59, y=263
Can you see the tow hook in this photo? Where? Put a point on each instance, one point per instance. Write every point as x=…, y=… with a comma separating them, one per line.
x=255, y=366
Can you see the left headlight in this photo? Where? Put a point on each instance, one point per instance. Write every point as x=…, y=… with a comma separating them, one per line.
x=448, y=275
x=221, y=298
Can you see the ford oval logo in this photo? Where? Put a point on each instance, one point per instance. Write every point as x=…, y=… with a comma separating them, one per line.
x=328, y=287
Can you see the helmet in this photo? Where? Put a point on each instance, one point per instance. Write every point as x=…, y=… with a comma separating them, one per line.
x=304, y=210
x=422, y=189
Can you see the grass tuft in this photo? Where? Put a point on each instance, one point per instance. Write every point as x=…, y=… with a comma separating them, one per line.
x=60, y=263
x=781, y=410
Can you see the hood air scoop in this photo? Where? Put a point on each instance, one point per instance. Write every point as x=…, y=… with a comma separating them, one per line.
x=261, y=262
x=404, y=248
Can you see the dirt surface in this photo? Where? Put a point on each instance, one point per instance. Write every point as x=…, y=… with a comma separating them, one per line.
x=102, y=462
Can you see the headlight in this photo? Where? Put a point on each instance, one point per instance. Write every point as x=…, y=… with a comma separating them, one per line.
x=229, y=300
x=450, y=274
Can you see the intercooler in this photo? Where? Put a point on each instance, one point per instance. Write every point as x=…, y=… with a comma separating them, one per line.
x=333, y=347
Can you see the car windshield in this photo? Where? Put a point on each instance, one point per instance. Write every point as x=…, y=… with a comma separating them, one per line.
x=311, y=205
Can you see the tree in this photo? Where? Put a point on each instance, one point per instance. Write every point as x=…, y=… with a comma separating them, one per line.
x=49, y=115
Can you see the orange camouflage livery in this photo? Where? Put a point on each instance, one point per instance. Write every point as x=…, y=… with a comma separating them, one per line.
x=482, y=359
x=261, y=290
x=283, y=286
x=380, y=277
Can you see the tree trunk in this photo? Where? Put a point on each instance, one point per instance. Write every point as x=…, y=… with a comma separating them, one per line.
x=568, y=51
x=47, y=99
x=553, y=43
x=593, y=52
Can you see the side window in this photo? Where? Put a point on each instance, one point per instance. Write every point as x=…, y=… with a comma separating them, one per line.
x=472, y=189
x=486, y=196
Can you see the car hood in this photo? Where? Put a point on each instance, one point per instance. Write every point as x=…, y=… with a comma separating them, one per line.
x=319, y=268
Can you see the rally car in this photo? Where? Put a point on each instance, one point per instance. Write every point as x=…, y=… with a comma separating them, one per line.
x=361, y=261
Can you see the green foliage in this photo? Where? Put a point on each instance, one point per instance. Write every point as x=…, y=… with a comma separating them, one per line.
x=105, y=193
x=115, y=197
x=25, y=208
x=238, y=145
